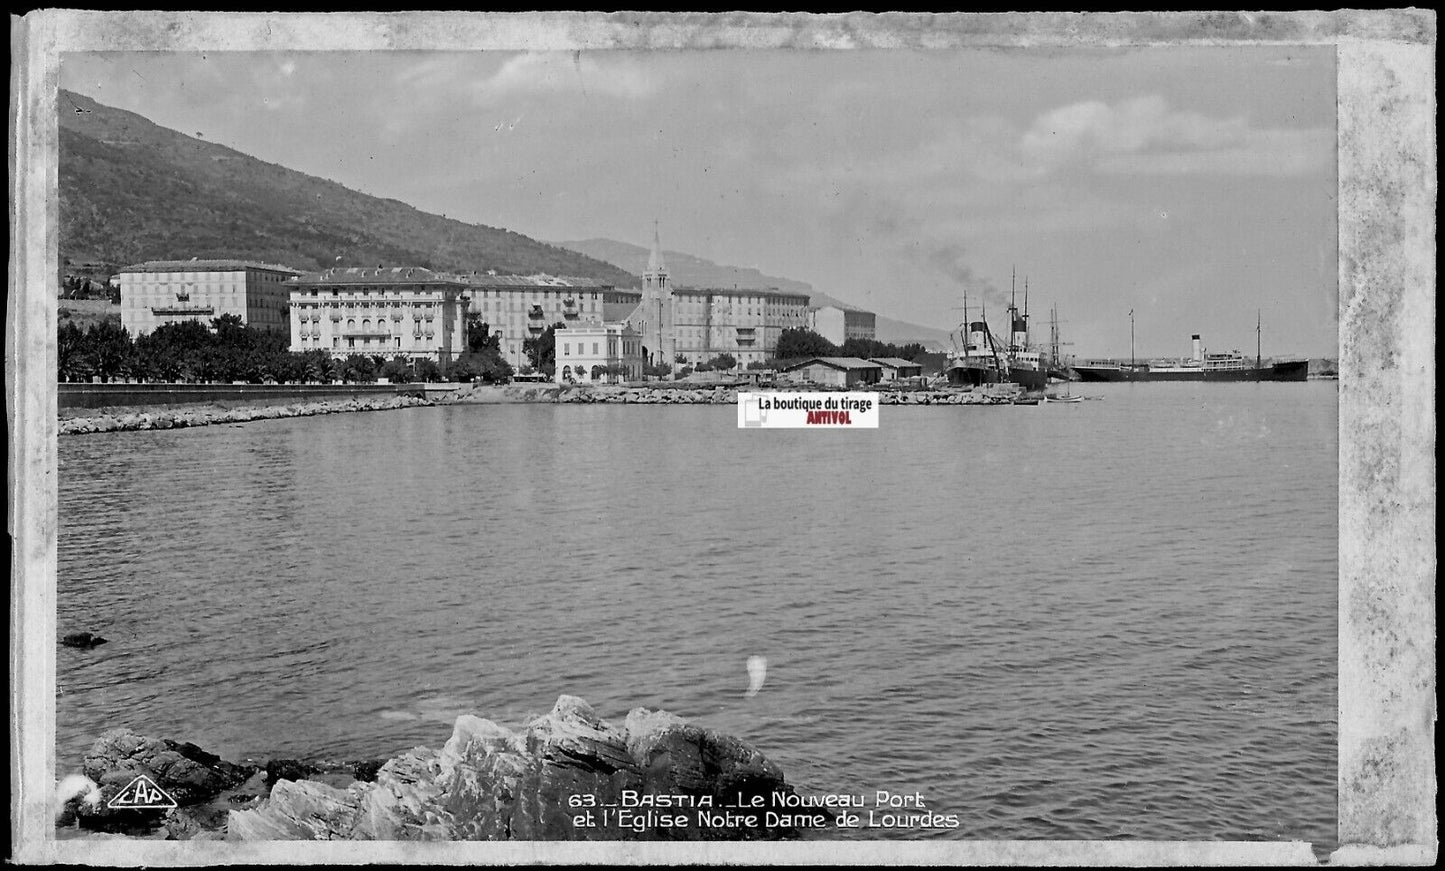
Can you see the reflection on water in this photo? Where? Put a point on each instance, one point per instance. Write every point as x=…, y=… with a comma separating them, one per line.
x=1105, y=619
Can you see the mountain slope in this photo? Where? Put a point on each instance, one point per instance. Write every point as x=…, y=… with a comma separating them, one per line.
x=689, y=271
x=131, y=190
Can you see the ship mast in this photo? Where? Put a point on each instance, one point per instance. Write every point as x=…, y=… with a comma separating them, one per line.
x=1131, y=338
x=1257, y=344
x=1026, y=313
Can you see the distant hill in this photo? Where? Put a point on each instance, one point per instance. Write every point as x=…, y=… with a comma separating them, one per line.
x=689, y=271
x=131, y=190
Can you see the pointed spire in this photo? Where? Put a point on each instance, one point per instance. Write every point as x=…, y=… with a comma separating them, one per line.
x=654, y=260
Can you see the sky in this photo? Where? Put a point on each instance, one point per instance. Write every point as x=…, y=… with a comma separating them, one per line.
x=1192, y=186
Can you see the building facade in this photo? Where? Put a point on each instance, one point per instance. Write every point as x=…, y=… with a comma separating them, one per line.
x=895, y=368
x=834, y=371
x=591, y=353
x=161, y=292
x=839, y=324
x=407, y=312
x=743, y=323
x=520, y=307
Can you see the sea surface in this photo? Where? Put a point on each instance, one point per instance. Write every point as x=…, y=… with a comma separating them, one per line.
x=1108, y=619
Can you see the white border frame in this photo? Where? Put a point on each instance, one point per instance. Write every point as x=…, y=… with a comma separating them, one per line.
x=1387, y=199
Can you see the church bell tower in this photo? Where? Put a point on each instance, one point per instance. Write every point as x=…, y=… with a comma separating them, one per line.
x=657, y=307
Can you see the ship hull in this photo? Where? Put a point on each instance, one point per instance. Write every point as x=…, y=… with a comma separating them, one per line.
x=1295, y=370
x=972, y=376
x=1029, y=379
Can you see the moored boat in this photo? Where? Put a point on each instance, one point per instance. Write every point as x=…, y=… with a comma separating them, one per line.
x=979, y=360
x=1199, y=366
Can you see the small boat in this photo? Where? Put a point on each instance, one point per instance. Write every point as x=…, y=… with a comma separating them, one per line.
x=1063, y=399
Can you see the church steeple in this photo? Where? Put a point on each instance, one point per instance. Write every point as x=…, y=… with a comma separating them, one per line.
x=656, y=274
x=657, y=307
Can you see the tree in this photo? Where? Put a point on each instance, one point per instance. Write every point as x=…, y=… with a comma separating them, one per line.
x=657, y=370
x=723, y=362
x=111, y=348
x=797, y=342
x=542, y=351
x=358, y=368
x=396, y=370
x=73, y=361
x=428, y=370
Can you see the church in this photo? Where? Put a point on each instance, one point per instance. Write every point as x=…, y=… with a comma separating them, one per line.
x=683, y=326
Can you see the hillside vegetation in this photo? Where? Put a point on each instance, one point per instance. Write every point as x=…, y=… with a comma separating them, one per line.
x=131, y=190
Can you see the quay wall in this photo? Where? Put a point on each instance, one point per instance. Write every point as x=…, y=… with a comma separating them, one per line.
x=148, y=417
x=77, y=395
x=675, y=394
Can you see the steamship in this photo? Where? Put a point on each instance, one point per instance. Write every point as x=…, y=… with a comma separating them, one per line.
x=1200, y=366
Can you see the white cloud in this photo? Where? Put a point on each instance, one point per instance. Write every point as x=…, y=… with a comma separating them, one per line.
x=542, y=72
x=1145, y=135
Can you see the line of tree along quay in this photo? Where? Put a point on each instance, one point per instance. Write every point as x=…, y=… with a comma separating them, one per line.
x=230, y=350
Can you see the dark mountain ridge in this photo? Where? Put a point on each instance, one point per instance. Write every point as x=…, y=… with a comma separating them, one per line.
x=131, y=190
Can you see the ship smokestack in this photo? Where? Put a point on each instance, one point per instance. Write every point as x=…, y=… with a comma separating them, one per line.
x=1198, y=349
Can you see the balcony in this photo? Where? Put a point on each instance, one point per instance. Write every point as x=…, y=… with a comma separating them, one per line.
x=174, y=310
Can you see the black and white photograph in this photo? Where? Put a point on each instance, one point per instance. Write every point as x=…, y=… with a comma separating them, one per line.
x=428, y=441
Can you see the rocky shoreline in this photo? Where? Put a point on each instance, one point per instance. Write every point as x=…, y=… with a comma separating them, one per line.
x=565, y=776
x=706, y=395
x=118, y=420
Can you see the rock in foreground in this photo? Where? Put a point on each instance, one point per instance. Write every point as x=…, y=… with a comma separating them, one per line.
x=184, y=771
x=568, y=775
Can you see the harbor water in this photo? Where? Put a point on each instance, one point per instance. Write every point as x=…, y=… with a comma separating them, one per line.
x=1107, y=619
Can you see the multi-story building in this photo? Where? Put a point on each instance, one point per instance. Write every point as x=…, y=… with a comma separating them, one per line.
x=407, y=312
x=838, y=324
x=586, y=352
x=172, y=291
x=743, y=323
x=520, y=307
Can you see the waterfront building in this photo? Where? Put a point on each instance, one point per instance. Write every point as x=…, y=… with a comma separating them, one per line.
x=895, y=368
x=520, y=307
x=592, y=353
x=744, y=323
x=838, y=324
x=404, y=311
x=159, y=292
x=834, y=371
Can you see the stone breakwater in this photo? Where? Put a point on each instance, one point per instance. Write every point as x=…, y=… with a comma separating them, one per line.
x=172, y=418
x=708, y=395
x=566, y=775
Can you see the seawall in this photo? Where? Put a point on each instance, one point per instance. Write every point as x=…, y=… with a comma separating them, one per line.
x=705, y=395
x=119, y=419
x=91, y=395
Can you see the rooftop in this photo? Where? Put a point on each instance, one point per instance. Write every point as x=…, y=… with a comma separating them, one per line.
x=196, y=265
x=893, y=362
x=483, y=279
x=378, y=275
x=841, y=307
x=770, y=292
x=834, y=362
